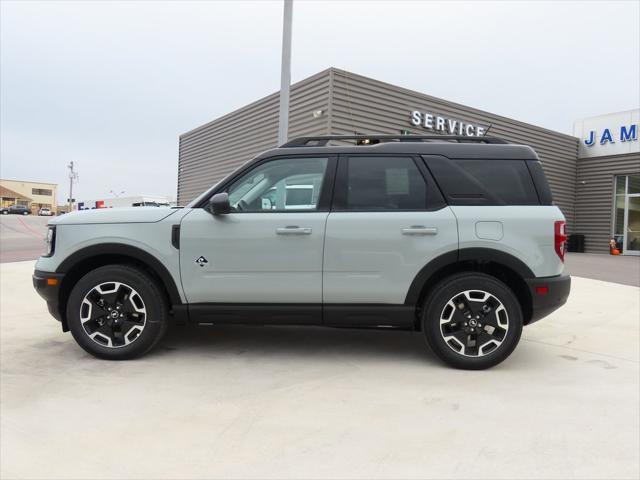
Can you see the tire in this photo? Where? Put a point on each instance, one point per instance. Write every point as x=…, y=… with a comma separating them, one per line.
x=464, y=335
x=4, y=212
x=117, y=312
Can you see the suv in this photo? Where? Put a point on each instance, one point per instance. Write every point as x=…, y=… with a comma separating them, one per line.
x=15, y=210
x=454, y=237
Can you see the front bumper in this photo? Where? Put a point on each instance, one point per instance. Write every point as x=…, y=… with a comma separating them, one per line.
x=47, y=285
x=547, y=294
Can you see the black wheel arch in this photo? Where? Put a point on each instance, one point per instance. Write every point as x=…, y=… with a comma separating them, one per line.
x=501, y=265
x=89, y=258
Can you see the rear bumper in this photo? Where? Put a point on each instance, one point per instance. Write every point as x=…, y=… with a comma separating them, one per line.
x=547, y=294
x=47, y=285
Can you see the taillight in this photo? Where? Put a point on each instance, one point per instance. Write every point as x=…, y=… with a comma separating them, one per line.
x=560, y=238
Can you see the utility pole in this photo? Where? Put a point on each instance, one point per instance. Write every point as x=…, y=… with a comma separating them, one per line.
x=73, y=176
x=285, y=74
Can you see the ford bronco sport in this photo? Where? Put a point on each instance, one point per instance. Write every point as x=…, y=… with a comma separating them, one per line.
x=454, y=237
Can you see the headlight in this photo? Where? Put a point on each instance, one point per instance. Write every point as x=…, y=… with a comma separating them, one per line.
x=51, y=240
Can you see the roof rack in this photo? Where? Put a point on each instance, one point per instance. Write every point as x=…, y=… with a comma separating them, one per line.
x=321, y=141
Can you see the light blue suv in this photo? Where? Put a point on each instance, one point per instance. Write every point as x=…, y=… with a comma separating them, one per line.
x=454, y=237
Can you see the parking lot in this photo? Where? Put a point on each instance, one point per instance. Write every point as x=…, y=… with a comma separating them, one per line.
x=278, y=402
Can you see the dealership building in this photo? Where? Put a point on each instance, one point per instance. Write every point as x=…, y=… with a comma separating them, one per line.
x=594, y=174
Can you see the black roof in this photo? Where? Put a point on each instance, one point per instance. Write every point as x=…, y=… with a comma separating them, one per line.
x=448, y=146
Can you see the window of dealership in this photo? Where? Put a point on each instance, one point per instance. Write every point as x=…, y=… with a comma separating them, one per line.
x=626, y=228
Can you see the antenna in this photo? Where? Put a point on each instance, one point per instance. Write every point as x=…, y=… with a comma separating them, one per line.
x=487, y=130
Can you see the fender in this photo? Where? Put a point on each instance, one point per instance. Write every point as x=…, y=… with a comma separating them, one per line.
x=450, y=259
x=124, y=250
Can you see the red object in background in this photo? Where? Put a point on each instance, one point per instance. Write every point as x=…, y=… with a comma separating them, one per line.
x=100, y=204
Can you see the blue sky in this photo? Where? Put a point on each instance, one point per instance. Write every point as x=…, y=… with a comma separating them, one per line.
x=111, y=85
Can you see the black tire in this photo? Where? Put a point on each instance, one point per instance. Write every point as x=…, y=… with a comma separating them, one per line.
x=437, y=305
x=153, y=322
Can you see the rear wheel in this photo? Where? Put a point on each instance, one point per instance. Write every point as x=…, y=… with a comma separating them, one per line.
x=472, y=321
x=117, y=312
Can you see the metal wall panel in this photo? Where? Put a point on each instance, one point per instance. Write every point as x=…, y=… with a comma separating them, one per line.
x=594, y=197
x=353, y=103
x=363, y=105
x=210, y=152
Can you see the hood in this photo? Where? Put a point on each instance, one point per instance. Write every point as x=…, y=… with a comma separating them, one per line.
x=114, y=215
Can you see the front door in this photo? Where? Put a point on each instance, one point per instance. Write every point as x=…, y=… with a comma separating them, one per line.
x=269, y=248
x=632, y=225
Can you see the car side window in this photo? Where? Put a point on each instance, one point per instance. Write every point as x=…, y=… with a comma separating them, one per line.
x=287, y=184
x=384, y=183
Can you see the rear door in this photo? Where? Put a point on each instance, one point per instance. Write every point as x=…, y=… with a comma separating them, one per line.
x=388, y=220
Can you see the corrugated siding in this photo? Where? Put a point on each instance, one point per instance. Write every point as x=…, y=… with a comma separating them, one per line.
x=210, y=152
x=594, y=197
x=363, y=105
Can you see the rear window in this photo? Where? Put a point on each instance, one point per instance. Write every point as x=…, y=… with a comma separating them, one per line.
x=484, y=182
x=385, y=183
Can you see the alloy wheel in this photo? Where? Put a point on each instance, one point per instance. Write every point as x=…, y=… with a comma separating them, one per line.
x=113, y=314
x=474, y=323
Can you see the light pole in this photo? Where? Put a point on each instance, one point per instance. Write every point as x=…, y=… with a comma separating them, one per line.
x=285, y=74
x=73, y=176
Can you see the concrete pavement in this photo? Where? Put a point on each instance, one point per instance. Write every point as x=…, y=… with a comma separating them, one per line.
x=276, y=402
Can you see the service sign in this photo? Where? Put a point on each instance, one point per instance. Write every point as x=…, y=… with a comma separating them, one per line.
x=612, y=134
x=445, y=125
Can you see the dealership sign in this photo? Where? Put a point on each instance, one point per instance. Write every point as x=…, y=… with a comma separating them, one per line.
x=441, y=124
x=610, y=134
x=624, y=133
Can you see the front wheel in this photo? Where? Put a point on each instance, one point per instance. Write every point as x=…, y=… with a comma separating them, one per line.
x=472, y=321
x=117, y=312
x=25, y=213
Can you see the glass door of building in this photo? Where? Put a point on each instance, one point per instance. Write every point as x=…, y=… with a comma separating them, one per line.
x=632, y=225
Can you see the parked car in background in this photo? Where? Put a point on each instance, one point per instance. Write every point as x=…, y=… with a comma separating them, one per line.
x=45, y=212
x=15, y=210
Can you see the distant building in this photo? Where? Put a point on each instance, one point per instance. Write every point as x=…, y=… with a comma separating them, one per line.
x=35, y=195
x=119, y=202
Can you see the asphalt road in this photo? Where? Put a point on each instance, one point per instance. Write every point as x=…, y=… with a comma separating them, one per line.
x=623, y=269
x=22, y=237
x=277, y=402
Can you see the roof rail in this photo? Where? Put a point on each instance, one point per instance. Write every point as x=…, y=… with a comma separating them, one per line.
x=321, y=141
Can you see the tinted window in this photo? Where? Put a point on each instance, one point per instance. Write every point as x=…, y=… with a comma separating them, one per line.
x=278, y=185
x=484, y=182
x=384, y=183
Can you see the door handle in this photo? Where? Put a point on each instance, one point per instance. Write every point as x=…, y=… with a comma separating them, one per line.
x=293, y=230
x=419, y=230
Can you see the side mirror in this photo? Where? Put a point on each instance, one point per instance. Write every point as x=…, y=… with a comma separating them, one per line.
x=219, y=204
